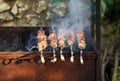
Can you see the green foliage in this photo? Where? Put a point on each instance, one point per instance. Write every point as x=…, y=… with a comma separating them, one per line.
x=103, y=8
x=56, y=2
x=110, y=9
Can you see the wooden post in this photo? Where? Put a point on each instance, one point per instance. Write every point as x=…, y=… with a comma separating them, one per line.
x=98, y=39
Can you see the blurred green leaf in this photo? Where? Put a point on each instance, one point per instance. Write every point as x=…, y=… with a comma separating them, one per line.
x=110, y=2
x=103, y=8
x=56, y=2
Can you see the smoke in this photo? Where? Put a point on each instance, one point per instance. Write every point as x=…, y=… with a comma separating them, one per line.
x=32, y=42
x=77, y=17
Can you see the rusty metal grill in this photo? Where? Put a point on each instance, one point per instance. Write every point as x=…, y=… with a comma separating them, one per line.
x=20, y=59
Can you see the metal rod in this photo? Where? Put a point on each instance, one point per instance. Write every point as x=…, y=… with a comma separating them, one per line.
x=54, y=56
x=42, y=57
x=81, y=57
x=61, y=55
x=72, y=57
x=41, y=28
x=52, y=21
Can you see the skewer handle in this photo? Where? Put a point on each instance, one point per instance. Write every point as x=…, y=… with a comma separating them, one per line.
x=61, y=55
x=71, y=50
x=72, y=57
x=61, y=51
x=81, y=57
x=42, y=57
x=54, y=57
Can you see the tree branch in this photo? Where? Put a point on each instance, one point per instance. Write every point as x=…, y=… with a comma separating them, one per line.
x=116, y=64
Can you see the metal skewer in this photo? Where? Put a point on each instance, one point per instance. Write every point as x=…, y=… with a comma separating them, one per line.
x=54, y=56
x=72, y=57
x=52, y=21
x=42, y=57
x=81, y=57
x=41, y=28
x=61, y=55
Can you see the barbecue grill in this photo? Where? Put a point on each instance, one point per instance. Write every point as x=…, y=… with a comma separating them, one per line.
x=20, y=58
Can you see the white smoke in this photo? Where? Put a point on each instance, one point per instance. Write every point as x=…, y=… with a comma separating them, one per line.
x=77, y=17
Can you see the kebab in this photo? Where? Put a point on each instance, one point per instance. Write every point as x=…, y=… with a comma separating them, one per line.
x=42, y=43
x=53, y=43
x=70, y=40
x=61, y=43
x=81, y=43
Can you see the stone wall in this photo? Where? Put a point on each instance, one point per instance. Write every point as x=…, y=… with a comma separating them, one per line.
x=28, y=12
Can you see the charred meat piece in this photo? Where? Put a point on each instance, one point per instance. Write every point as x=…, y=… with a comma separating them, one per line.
x=81, y=39
x=53, y=43
x=61, y=39
x=42, y=45
x=53, y=39
x=42, y=40
x=61, y=43
x=81, y=43
x=41, y=35
x=71, y=38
